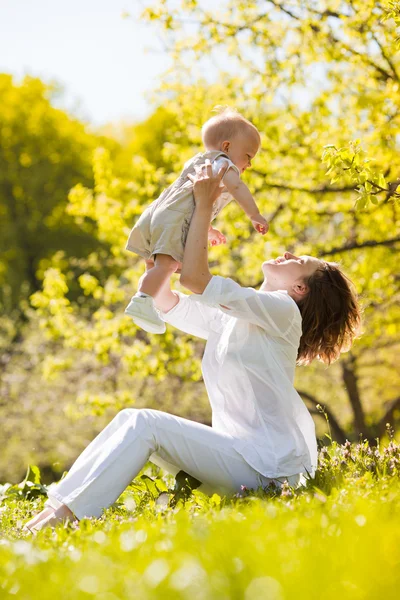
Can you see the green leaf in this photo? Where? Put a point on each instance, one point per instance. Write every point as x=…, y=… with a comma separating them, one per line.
x=151, y=486
x=382, y=181
x=32, y=474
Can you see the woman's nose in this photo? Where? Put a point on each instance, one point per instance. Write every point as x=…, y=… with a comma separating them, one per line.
x=289, y=255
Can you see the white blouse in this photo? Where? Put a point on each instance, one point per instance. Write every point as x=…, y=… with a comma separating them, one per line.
x=248, y=369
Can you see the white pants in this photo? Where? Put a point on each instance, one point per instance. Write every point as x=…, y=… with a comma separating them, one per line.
x=119, y=452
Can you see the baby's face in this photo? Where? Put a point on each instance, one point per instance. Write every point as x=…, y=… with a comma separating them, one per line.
x=242, y=149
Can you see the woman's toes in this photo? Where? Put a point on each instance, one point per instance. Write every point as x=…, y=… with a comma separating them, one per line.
x=49, y=521
x=43, y=514
x=60, y=515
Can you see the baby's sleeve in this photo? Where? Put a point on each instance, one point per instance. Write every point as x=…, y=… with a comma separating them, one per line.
x=222, y=161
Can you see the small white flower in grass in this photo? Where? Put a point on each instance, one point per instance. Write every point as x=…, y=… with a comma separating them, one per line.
x=264, y=587
x=164, y=545
x=75, y=554
x=89, y=584
x=127, y=541
x=321, y=497
x=156, y=572
x=271, y=510
x=324, y=521
x=162, y=500
x=15, y=589
x=99, y=537
x=22, y=548
x=130, y=504
x=190, y=573
x=29, y=553
x=360, y=520
x=141, y=536
x=10, y=567
x=238, y=564
x=5, y=543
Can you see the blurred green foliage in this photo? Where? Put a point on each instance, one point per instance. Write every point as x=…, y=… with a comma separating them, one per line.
x=43, y=153
x=326, y=176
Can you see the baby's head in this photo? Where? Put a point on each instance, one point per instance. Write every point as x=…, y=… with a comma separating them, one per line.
x=231, y=133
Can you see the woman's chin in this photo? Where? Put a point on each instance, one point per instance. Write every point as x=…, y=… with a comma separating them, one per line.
x=268, y=272
x=268, y=265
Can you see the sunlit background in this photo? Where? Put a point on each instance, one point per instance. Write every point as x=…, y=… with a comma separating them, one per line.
x=106, y=61
x=132, y=82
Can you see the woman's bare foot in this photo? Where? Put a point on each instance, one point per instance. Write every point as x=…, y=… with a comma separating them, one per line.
x=60, y=515
x=44, y=513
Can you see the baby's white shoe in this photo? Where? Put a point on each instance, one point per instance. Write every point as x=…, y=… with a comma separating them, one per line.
x=145, y=314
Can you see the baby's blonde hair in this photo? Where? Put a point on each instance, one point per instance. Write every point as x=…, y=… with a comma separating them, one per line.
x=224, y=126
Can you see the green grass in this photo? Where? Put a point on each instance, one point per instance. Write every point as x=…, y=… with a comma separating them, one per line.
x=337, y=538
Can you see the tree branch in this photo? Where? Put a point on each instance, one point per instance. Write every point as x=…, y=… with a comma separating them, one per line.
x=358, y=246
x=324, y=189
x=334, y=40
x=336, y=428
x=276, y=212
x=364, y=57
x=386, y=57
x=284, y=10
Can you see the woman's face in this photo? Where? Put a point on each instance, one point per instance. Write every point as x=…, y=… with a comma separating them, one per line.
x=288, y=272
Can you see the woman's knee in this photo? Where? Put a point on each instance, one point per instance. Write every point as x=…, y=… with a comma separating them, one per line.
x=126, y=413
x=136, y=414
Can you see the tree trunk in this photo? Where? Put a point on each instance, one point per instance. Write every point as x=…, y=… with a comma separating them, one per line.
x=350, y=380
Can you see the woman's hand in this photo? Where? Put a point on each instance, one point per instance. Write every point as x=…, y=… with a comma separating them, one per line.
x=206, y=186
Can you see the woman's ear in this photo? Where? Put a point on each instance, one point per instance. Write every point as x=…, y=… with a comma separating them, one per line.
x=300, y=288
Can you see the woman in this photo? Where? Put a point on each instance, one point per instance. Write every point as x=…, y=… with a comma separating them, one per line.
x=261, y=430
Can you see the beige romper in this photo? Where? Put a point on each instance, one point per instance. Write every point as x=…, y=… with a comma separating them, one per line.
x=163, y=226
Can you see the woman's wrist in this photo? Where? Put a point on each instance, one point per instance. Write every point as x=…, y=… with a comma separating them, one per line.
x=203, y=209
x=203, y=213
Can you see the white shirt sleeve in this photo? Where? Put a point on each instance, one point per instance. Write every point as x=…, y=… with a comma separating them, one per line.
x=221, y=161
x=276, y=312
x=191, y=316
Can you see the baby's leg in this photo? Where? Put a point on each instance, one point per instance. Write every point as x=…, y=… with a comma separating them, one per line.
x=158, y=275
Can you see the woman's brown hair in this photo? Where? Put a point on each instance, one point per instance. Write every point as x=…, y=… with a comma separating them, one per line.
x=331, y=316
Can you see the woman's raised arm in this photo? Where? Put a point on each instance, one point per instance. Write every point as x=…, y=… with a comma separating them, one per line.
x=195, y=271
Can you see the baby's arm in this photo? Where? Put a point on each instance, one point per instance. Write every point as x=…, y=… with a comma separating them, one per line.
x=215, y=237
x=243, y=196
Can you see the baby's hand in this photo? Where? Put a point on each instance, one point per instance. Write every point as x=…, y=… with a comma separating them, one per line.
x=260, y=224
x=215, y=237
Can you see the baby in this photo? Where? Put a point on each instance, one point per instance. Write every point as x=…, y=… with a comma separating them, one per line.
x=161, y=231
